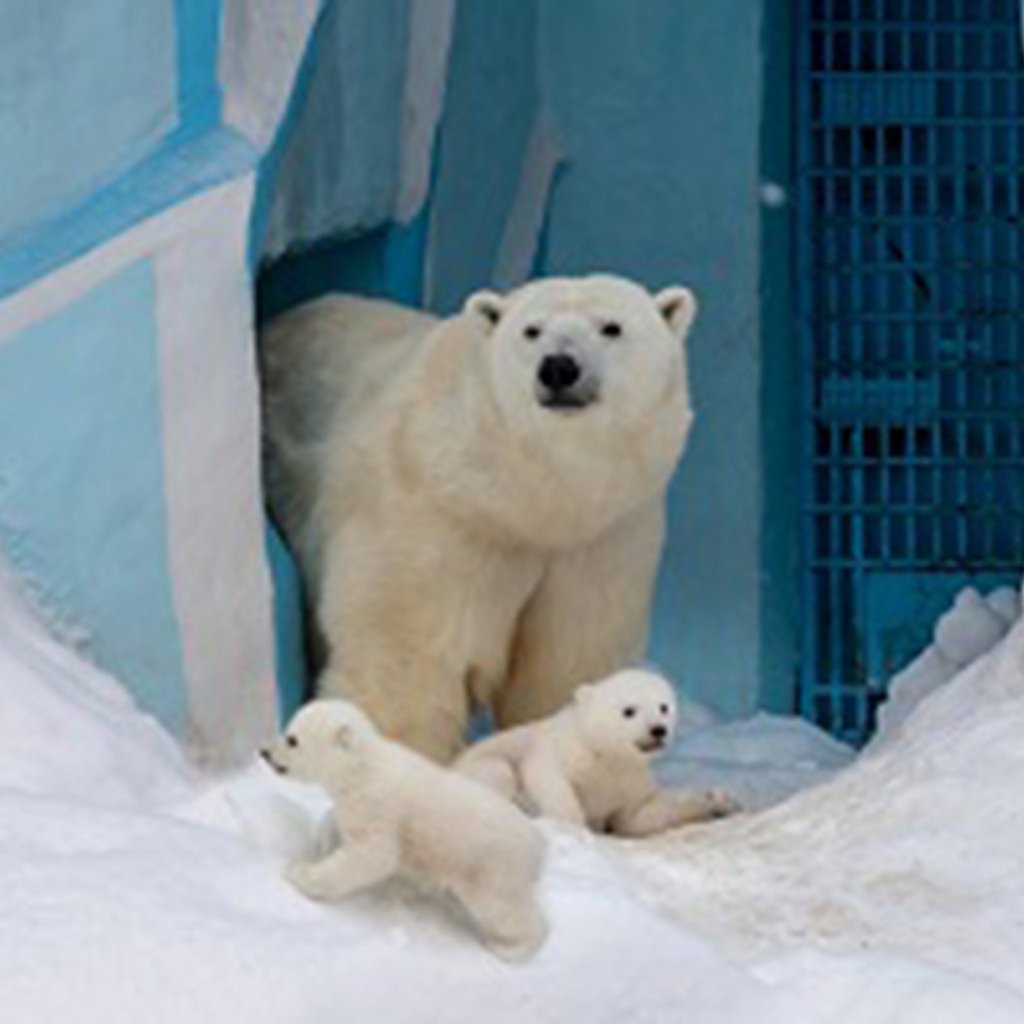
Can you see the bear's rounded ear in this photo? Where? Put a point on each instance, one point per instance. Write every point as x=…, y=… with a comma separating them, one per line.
x=678, y=306
x=345, y=736
x=583, y=693
x=486, y=308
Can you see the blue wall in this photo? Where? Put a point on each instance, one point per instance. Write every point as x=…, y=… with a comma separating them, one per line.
x=110, y=112
x=82, y=513
x=490, y=106
x=113, y=99
x=780, y=380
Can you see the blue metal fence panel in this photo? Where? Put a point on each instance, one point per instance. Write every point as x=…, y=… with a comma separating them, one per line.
x=910, y=291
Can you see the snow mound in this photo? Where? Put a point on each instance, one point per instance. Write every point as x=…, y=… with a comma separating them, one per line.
x=67, y=728
x=760, y=760
x=969, y=629
x=132, y=891
x=917, y=847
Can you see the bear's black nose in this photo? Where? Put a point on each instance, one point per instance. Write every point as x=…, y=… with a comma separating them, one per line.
x=658, y=732
x=557, y=373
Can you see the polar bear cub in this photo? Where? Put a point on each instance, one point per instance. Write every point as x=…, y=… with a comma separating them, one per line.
x=589, y=764
x=397, y=812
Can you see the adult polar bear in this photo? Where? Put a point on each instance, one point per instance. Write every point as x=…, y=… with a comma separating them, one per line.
x=477, y=502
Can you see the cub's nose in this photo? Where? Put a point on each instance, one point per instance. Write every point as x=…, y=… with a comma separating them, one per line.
x=658, y=732
x=558, y=372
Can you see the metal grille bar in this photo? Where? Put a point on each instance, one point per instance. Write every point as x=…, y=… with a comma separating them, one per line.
x=910, y=139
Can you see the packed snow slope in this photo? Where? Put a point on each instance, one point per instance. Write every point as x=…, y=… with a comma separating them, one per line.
x=918, y=846
x=888, y=893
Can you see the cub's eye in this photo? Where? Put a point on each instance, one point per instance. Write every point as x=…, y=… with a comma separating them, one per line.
x=612, y=329
x=664, y=709
x=291, y=741
x=628, y=712
x=532, y=331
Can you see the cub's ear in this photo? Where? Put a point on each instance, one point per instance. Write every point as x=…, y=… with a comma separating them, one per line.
x=345, y=736
x=679, y=307
x=486, y=308
x=583, y=693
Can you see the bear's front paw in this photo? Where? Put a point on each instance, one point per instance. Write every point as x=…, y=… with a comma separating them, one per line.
x=305, y=877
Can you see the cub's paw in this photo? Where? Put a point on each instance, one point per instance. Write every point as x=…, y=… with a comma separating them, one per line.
x=517, y=949
x=720, y=804
x=305, y=877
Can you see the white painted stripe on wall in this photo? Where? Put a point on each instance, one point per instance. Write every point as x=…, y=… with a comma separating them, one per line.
x=262, y=44
x=430, y=36
x=49, y=294
x=220, y=578
x=519, y=240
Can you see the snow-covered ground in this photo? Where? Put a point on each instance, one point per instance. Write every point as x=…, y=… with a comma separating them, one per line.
x=887, y=890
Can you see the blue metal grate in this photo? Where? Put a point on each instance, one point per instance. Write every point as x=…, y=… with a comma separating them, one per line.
x=910, y=288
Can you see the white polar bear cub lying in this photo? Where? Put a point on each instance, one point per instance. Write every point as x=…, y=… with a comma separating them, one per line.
x=589, y=764
x=398, y=812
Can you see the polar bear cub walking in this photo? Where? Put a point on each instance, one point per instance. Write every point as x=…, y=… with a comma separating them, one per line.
x=589, y=764
x=398, y=812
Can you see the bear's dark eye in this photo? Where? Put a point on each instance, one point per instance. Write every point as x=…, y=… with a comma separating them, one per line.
x=628, y=712
x=664, y=709
x=532, y=331
x=291, y=741
x=612, y=329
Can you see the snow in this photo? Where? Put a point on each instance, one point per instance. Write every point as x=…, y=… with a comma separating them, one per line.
x=917, y=847
x=760, y=760
x=884, y=891
x=972, y=626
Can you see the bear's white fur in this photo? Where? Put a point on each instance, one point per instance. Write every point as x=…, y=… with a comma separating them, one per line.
x=477, y=527
x=397, y=812
x=589, y=764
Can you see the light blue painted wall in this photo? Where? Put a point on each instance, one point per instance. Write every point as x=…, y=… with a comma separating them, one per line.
x=780, y=382
x=82, y=511
x=289, y=629
x=109, y=113
x=197, y=34
x=171, y=174
x=87, y=88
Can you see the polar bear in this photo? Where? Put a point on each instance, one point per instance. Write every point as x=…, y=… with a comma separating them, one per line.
x=478, y=501
x=589, y=764
x=397, y=812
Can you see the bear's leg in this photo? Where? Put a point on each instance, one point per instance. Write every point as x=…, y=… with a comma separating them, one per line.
x=587, y=619
x=495, y=773
x=353, y=867
x=427, y=713
x=508, y=916
x=664, y=811
x=407, y=612
x=548, y=793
